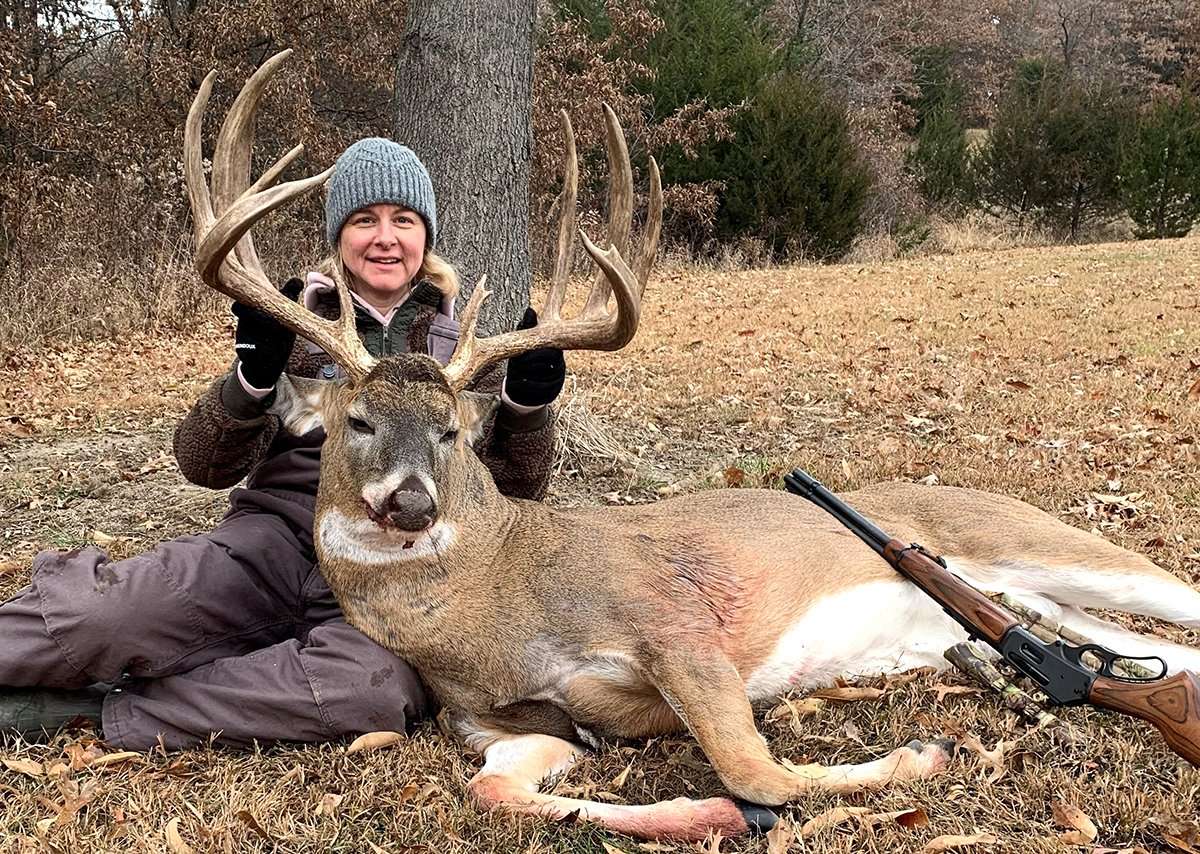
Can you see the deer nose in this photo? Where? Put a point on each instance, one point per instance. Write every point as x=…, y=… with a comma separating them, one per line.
x=410, y=507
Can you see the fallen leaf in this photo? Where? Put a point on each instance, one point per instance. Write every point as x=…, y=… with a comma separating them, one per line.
x=1137, y=849
x=1194, y=392
x=374, y=740
x=946, y=843
x=831, y=818
x=909, y=819
x=114, y=758
x=247, y=818
x=175, y=843
x=780, y=837
x=734, y=477
x=329, y=803
x=848, y=694
x=1020, y=385
x=25, y=766
x=1083, y=829
x=944, y=690
x=612, y=849
x=102, y=539
x=1174, y=841
x=619, y=780
x=655, y=846
x=994, y=757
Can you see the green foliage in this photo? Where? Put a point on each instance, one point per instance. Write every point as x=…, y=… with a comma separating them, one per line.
x=940, y=159
x=1054, y=149
x=1160, y=168
x=715, y=51
x=794, y=178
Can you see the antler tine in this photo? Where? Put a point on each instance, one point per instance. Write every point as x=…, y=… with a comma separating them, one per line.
x=620, y=207
x=193, y=161
x=552, y=309
x=231, y=160
x=651, y=231
x=217, y=234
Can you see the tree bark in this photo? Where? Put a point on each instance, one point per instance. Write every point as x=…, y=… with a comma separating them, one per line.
x=464, y=87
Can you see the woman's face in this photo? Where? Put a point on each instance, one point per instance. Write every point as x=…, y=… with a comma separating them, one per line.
x=382, y=247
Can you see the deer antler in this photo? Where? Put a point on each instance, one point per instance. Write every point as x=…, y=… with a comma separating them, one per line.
x=596, y=328
x=226, y=229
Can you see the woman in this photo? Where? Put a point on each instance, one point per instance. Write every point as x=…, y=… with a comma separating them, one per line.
x=234, y=635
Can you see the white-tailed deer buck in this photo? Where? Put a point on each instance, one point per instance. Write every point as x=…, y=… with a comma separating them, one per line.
x=542, y=630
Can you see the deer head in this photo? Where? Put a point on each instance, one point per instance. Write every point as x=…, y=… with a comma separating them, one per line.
x=396, y=457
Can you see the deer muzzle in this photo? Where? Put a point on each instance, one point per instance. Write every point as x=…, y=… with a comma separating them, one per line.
x=409, y=507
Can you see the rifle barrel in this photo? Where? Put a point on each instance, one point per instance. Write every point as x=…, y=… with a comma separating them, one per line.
x=801, y=483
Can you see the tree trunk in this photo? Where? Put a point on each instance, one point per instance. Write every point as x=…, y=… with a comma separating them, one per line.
x=464, y=87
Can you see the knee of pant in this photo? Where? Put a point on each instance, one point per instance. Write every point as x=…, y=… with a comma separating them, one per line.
x=364, y=688
x=104, y=614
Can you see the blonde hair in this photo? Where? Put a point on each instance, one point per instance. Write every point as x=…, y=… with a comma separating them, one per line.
x=434, y=269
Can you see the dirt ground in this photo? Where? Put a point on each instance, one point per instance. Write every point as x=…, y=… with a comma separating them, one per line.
x=1068, y=377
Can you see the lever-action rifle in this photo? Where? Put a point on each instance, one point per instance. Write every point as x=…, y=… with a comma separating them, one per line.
x=1172, y=705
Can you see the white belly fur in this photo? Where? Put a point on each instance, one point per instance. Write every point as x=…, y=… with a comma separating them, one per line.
x=874, y=628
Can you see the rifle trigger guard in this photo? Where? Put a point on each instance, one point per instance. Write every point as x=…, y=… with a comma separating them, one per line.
x=1108, y=658
x=920, y=549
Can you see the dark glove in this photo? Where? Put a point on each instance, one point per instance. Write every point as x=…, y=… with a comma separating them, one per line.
x=262, y=343
x=535, y=378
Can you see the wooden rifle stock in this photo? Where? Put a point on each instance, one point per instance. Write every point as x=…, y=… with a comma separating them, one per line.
x=1172, y=705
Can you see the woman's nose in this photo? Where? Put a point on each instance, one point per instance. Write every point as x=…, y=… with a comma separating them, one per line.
x=385, y=234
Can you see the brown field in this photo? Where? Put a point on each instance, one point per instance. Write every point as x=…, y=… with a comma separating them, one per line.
x=1068, y=377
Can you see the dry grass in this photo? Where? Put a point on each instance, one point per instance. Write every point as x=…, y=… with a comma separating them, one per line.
x=1052, y=374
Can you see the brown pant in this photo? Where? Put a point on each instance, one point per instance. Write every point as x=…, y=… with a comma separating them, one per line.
x=233, y=633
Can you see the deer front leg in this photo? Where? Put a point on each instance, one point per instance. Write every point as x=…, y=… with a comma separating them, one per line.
x=710, y=697
x=515, y=766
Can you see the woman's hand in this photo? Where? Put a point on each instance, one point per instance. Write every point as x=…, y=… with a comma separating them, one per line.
x=262, y=343
x=535, y=378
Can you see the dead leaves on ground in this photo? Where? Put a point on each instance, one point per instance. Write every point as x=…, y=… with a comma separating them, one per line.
x=953, y=843
x=1083, y=830
x=865, y=817
x=374, y=741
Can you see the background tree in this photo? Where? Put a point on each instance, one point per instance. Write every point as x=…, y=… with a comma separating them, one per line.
x=464, y=83
x=795, y=180
x=1054, y=149
x=940, y=159
x=1160, y=167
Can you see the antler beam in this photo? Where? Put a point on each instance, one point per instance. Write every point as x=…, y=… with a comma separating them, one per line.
x=597, y=328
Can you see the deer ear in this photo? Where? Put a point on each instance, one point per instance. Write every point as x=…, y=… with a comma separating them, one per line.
x=474, y=410
x=302, y=404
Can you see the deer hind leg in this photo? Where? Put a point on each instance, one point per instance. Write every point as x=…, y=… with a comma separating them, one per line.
x=710, y=697
x=1061, y=591
x=516, y=765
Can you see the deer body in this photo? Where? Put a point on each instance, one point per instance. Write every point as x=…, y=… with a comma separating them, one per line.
x=540, y=628
x=569, y=623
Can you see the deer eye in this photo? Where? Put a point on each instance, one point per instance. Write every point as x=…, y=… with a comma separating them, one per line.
x=360, y=426
x=450, y=435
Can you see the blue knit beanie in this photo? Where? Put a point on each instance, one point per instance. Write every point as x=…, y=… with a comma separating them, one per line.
x=375, y=171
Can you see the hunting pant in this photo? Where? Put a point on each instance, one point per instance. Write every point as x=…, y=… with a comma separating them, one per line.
x=233, y=633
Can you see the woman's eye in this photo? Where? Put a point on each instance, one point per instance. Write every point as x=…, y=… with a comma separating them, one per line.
x=360, y=426
x=450, y=435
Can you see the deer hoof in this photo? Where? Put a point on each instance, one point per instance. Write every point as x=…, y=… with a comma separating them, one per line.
x=758, y=819
x=925, y=758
